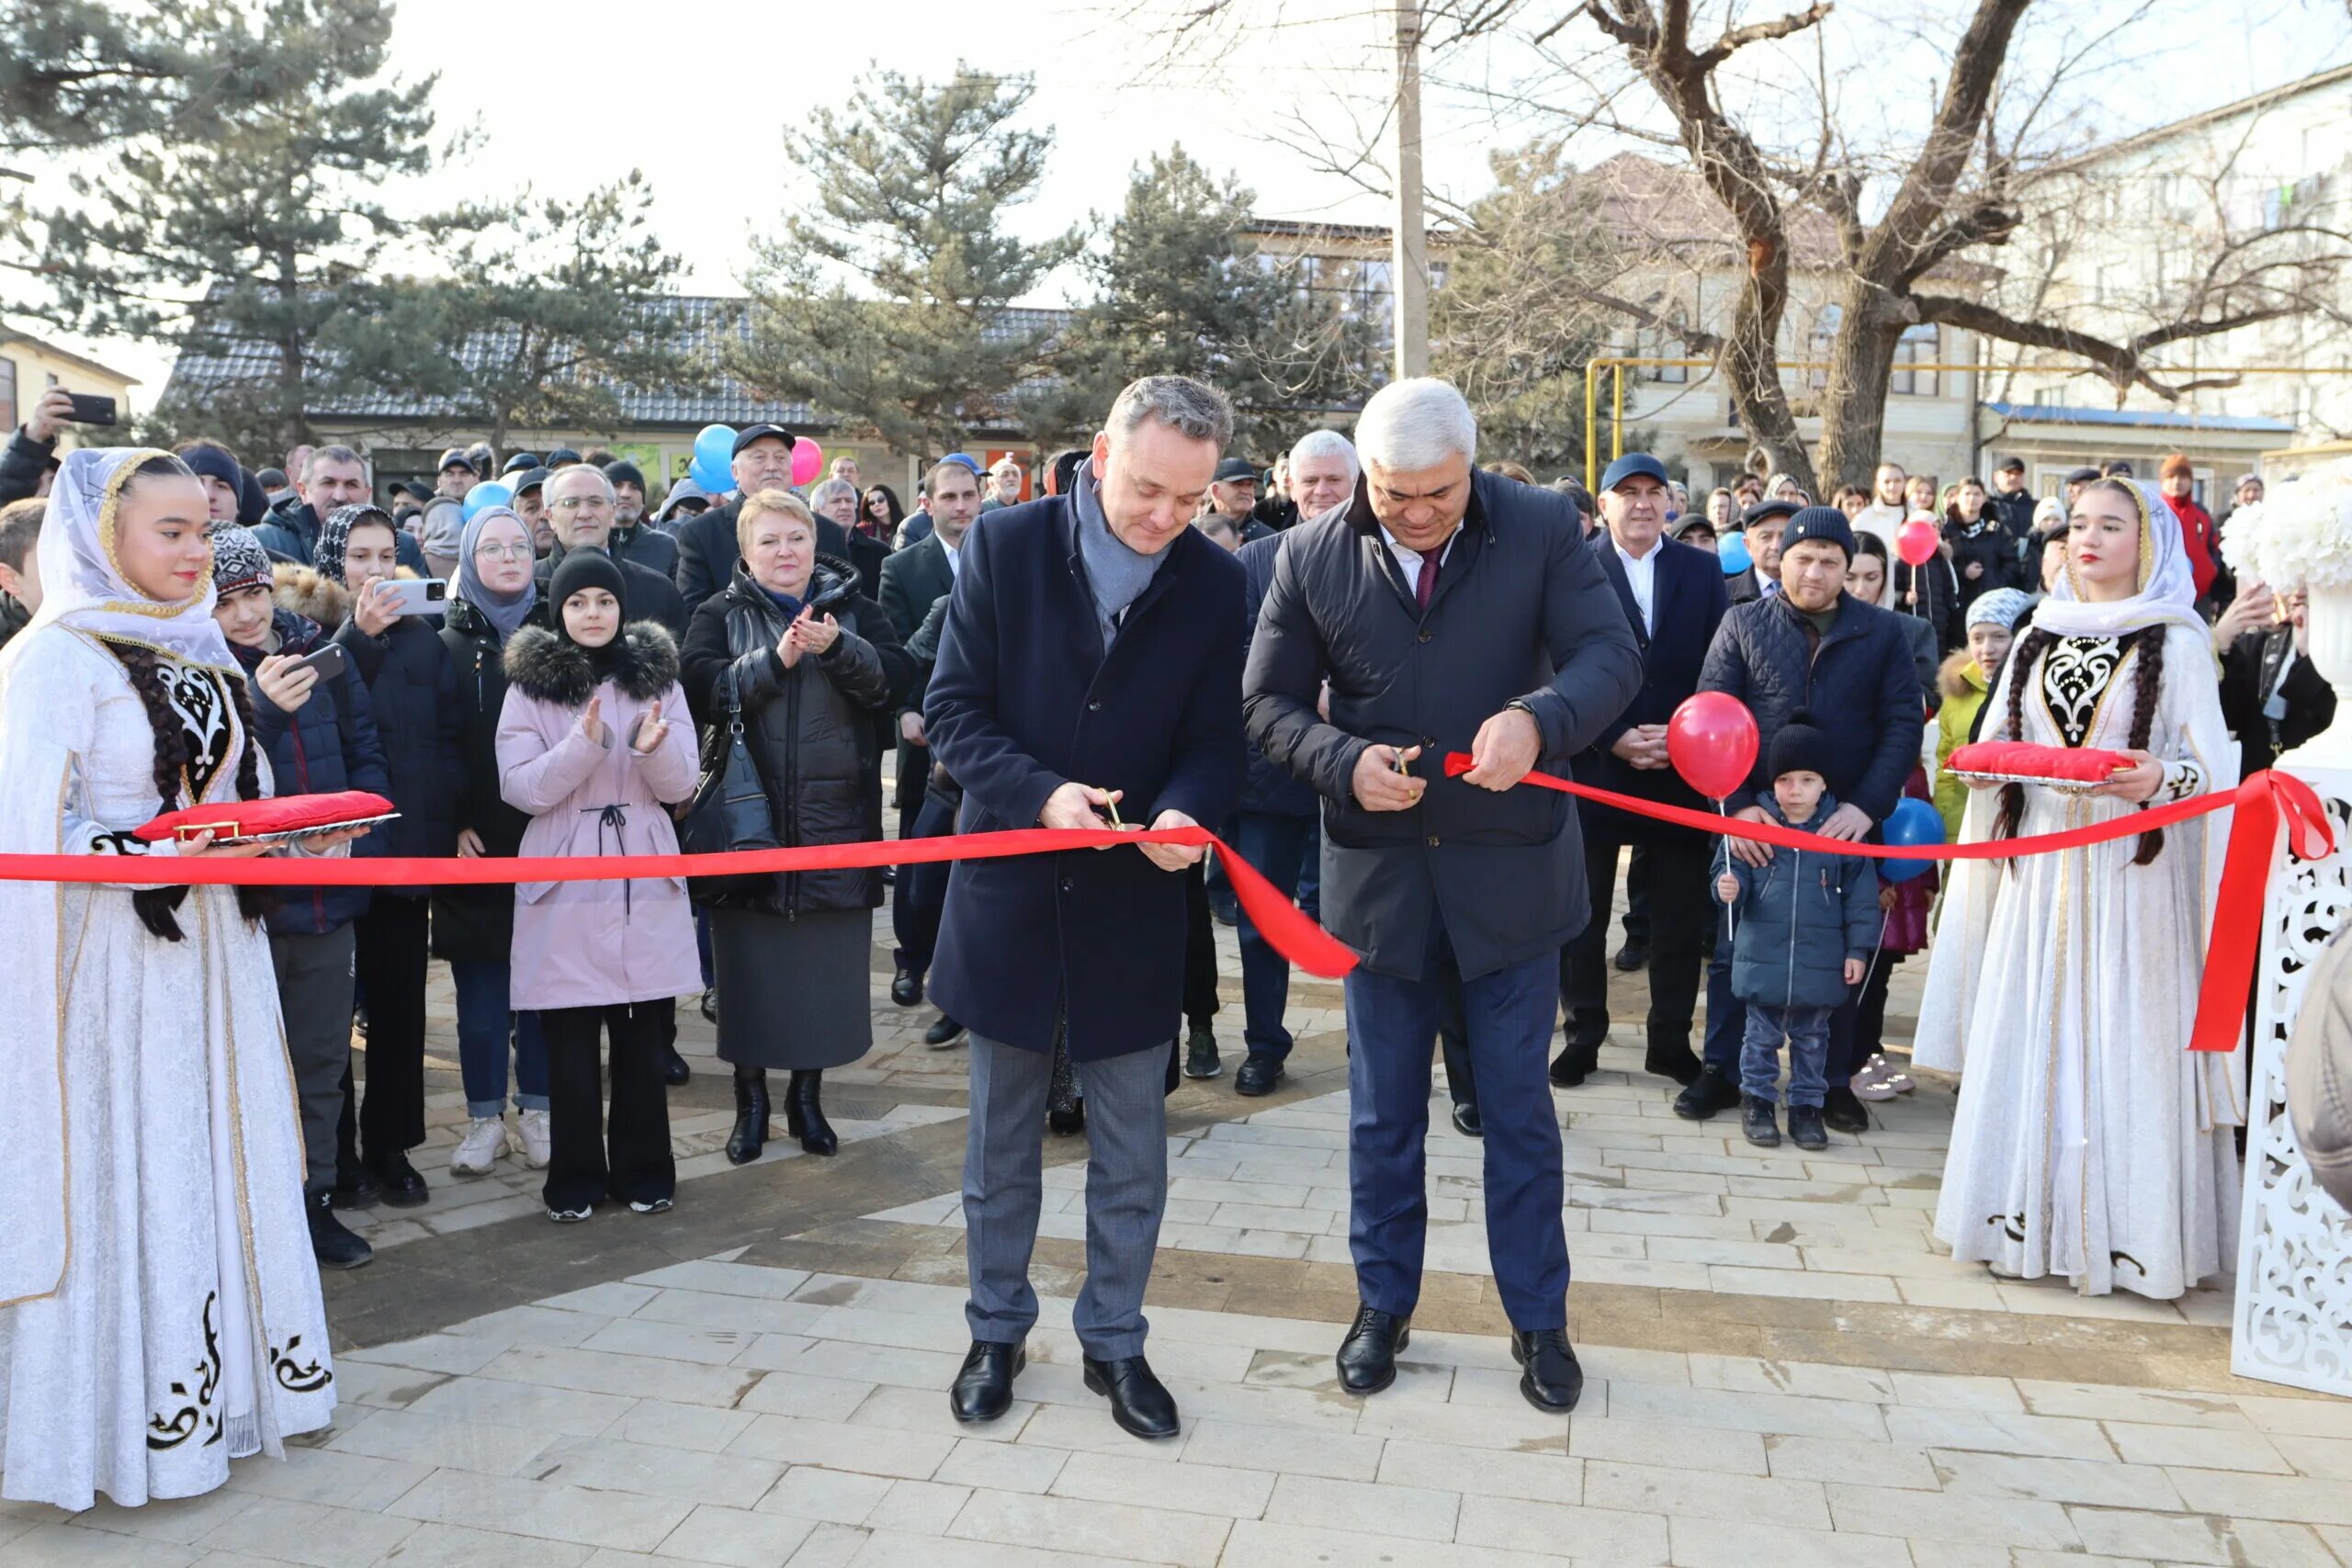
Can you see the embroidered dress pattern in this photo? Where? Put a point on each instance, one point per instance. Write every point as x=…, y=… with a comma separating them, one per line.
x=2075, y=675
x=182, y=1425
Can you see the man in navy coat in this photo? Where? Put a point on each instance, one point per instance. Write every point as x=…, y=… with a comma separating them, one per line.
x=1089, y=671
x=1452, y=611
x=1674, y=598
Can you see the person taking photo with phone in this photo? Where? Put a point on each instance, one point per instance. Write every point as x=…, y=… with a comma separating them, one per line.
x=312, y=717
x=29, y=463
x=412, y=689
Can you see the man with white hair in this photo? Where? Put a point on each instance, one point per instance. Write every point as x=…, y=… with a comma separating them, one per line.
x=1274, y=829
x=1452, y=610
x=1004, y=484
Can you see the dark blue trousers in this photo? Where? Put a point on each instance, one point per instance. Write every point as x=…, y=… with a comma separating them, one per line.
x=1275, y=847
x=920, y=895
x=1392, y=1029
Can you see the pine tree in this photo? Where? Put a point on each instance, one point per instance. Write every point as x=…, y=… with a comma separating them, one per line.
x=258, y=223
x=914, y=181
x=80, y=73
x=1181, y=289
x=538, y=320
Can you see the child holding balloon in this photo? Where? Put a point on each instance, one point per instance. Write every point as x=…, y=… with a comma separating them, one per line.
x=1806, y=922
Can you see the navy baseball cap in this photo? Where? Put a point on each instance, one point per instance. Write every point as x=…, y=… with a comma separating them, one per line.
x=752, y=433
x=1826, y=523
x=1633, y=463
x=1234, y=469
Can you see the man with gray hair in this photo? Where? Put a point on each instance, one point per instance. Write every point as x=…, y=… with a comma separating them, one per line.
x=1451, y=611
x=1090, y=674
x=581, y=509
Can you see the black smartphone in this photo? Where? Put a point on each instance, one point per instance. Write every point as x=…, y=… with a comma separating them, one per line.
x=91, y=409
x=328, y=662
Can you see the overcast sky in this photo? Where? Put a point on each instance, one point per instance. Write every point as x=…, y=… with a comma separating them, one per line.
x=696, y=92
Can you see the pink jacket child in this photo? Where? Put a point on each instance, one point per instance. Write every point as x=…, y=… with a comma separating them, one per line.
x=581, y=945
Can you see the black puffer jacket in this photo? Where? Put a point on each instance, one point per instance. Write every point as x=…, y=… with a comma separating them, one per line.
x=479, y=923
x=810, y=728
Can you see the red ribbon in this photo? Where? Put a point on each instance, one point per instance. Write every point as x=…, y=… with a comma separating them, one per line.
x=1289, y=932
x=2261, y=802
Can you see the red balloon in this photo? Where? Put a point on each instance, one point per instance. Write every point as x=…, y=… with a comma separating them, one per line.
x=1917, y=542
x=1712, y=742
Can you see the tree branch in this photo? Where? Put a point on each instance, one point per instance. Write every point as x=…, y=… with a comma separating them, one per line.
x=1737, y=39
x=2123, y=364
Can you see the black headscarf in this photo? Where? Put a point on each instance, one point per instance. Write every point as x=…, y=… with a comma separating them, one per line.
x=582, y=568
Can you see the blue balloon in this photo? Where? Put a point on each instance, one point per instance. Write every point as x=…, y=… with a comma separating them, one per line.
x=715, y=444
x=1732, y=551
x=716, y=479
x=483, y=496
x=1914, y=822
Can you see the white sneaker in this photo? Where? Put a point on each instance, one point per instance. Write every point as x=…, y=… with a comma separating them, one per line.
x=538, y=1143
x=481, y=1147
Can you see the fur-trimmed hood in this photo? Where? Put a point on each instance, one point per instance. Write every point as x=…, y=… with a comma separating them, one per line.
x=557, y=671
x=1960, y=675
x=308, y=592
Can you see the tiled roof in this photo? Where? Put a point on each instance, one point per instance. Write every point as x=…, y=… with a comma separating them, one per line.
x=701, y=320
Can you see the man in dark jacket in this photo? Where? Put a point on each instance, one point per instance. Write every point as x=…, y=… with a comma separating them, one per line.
x=1452, y=610
x=333, y=477
x=2013, y=503
x=29, y=463
x=1674, y=599
x=1091, y=661
x=1762, y=525
x=579, y=507
x=2273, y=696
x=706, y=550
x=1810, y=648
x=913, y=580
x=633, y=538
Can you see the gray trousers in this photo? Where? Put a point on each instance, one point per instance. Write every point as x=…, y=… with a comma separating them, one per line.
x=1126, y=1191
x=315, y=993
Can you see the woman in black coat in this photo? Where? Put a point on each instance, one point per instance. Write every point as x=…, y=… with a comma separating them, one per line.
x=809, y=661
x=473, y=926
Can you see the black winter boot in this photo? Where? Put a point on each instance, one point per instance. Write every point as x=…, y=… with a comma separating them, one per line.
x=805, y=1117
x=751, y=1134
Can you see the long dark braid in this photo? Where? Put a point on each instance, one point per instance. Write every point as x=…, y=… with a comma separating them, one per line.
x=158, y=907
x=2147, y=687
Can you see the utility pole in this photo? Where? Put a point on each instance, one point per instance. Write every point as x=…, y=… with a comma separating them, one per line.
x=1408, y=259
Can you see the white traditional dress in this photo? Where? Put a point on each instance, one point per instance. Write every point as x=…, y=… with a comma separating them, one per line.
x=159, y=1302
x=2090, y=1142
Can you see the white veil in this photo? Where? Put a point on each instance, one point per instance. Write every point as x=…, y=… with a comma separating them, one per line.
x=81, y=585
x=2166, y=589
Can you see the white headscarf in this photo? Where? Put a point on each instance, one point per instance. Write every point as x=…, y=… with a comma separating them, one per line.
x=2167, y=594
x=81, y=585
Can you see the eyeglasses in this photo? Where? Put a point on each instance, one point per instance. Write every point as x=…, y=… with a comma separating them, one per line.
x=574, y=503
x=503, y=552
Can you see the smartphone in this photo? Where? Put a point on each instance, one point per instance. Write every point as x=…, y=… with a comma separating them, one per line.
x=416, y=596
x=328, y=662
x=91, y=409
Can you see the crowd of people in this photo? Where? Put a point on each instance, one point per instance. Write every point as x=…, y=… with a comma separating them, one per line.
x=1143, y=635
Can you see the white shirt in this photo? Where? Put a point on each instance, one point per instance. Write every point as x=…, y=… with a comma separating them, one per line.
x=1410, y=558
x=955, y=557
x=1641, y=574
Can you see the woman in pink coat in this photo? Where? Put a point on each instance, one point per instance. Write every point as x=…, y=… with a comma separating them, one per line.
x=587, y=746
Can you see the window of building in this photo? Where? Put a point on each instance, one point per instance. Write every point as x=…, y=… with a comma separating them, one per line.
x=1919, y=346
x=8, y=420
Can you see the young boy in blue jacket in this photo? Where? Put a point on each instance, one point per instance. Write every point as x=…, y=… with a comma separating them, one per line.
x=1805, y=925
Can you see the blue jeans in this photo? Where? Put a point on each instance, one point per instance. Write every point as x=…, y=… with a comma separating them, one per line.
x=1806, y=1030
x=1275, y=847
x=1392, y=1029
x=482, y=1021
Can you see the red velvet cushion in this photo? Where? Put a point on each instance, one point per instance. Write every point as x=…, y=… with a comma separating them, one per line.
x=2024, y=759
x=256, y=818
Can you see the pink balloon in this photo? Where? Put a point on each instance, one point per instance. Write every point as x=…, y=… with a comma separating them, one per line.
x=807, y=459
x=1916, y=543
x=1712, y=742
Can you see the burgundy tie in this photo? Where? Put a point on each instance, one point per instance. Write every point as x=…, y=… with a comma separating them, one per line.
x=1427, y=582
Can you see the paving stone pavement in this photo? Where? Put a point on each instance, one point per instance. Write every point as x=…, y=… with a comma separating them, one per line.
x=1783, y=1368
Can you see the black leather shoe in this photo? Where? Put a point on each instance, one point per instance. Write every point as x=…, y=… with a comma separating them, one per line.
x=1575, y=1064
x=1758, y=1122
x=1200, y=1053
x=1258, y=1075
x=1632, y=956
x=750, y=1132
x=1225, y=908
x=354, y=1187
x=1367, y=1359
x=1805, y=1130
x=1552, y=1381
x=1708, y=1094
x=1842, y=1108
x=1467, y=1120
x=1067, y=1120
x=944, y=1033
x=402, y=1188
x=983, y=1388
x=332, y=1241
x=906, y=988
x=1677, y=1062
x=804, y=1116
x=1140, y=1403
x=674, y=1070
